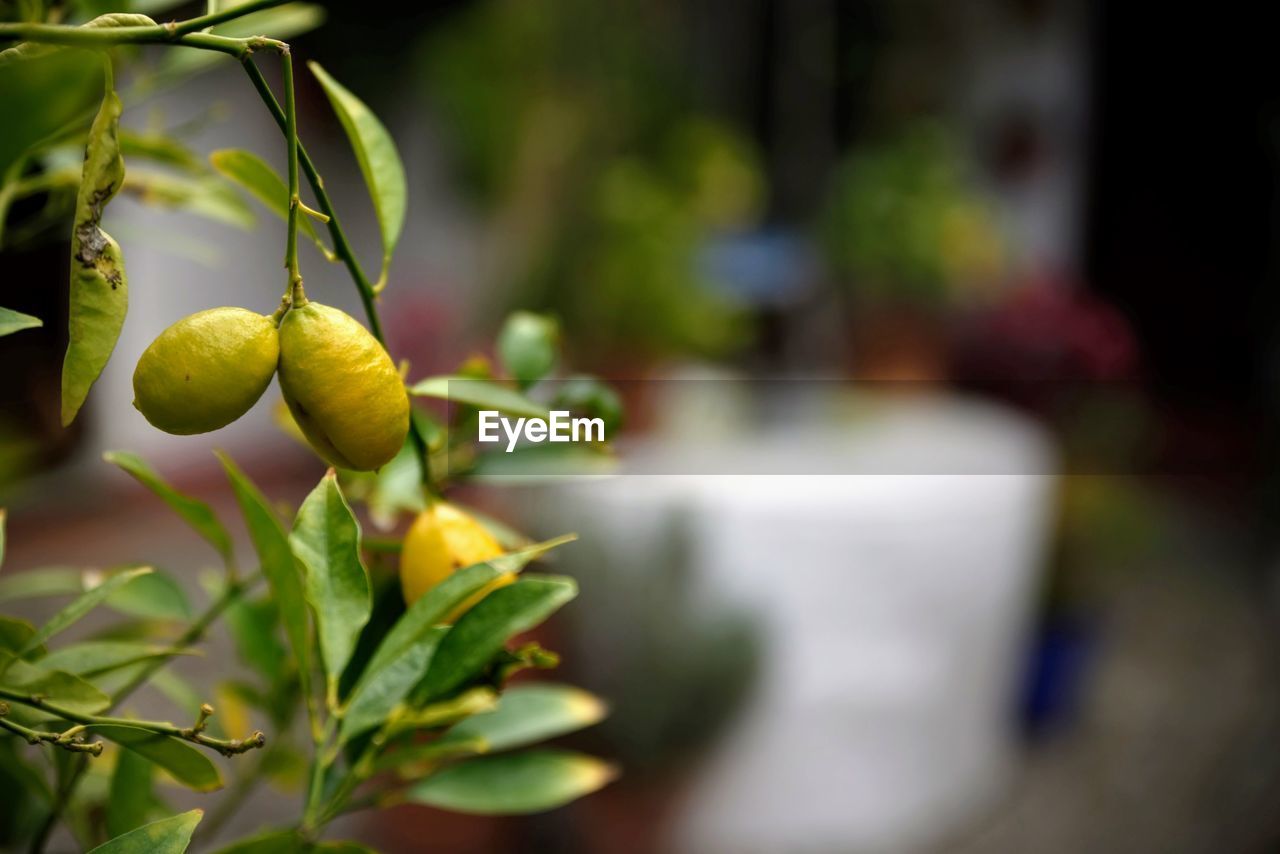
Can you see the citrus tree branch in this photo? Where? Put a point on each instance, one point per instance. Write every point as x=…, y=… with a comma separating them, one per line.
x=185, y=33
x=194, y=733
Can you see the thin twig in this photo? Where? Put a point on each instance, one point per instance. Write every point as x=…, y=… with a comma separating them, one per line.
x=194, y=734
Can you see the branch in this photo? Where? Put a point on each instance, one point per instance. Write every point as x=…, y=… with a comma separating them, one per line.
x=69, y=740
x=194, y=734
x=100, y=38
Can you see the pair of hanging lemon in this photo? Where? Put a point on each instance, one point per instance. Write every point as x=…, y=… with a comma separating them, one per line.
x=341, y=387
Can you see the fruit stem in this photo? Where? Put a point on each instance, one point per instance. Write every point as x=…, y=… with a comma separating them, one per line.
x=295, y=203
x=342, y=249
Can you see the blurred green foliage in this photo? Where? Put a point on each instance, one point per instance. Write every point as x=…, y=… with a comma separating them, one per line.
x=578, y=138
x=903, y=221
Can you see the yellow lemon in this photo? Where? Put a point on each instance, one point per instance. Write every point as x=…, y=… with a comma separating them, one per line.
x=206, y=370
x=342, y=388
x=441, y=541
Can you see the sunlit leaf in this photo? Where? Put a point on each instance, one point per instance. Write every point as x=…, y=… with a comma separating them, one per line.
x=379, y=161
x=197, y=514
x=326, y=539
x=514, y=783
x=482, y=394
x=99, y=288
x=278, y=564
x=183, y=762
x=256, y=176
x=14, y=321
x=527, y=714
x=167, y=836
x=484, y=630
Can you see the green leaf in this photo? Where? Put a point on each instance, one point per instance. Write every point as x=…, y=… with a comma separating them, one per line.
x=513, y=784
x=484, y=630
x=167, y=836
x=256, y=176
x=155, y=596
x=37, y=583
x=253, y=630
x=202, y=195
x=82, y=605
x=158, y=148
x=278, y=565
x=197, y=514
x=14, y=321
x=527, y=714
x=95, y=658
x=4, y=516
x=326, y=539
x=56, y=686
x=130, y=799
x=379, y=162
x=378, y=693
x=391, y=490
x=14, y=634
x=592, y=397
x=402, y=658
x=99, y=288
x=482, y=394
x=183, y=762
x=527, y=345
x=270, y=842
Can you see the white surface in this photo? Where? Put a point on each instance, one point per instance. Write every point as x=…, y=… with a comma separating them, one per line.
x=892, y=607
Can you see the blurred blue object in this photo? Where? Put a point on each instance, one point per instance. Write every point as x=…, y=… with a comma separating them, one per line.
x=1058, y=661
x=769, y=267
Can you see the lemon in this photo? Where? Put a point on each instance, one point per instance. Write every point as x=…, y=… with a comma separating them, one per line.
x=206, y=370
x=442, y=540
x=342, y=388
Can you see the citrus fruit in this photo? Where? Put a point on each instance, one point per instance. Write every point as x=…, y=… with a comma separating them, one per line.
x=442, y=540
x=341, y=387
x=206, y=370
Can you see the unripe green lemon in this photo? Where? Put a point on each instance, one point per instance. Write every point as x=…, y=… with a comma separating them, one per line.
x=206, y=370
x=342, y=388
x=442, y=540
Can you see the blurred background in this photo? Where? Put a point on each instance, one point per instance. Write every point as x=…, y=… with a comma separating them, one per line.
x=947, y=337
